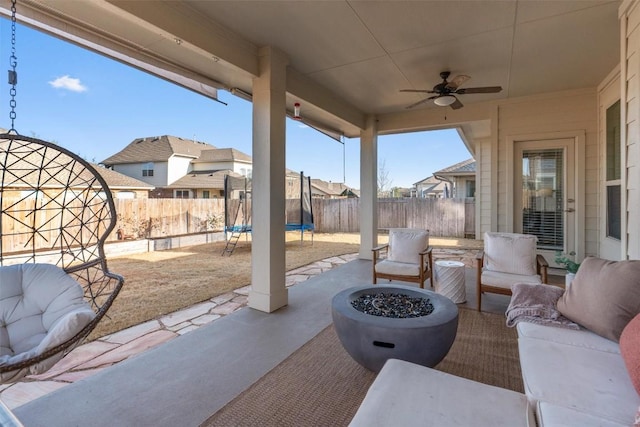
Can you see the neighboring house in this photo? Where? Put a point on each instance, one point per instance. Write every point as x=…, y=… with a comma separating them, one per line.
x=330, y=190
x=180, y=168
x=123, y=186
x=461, y=178
x=430, y=188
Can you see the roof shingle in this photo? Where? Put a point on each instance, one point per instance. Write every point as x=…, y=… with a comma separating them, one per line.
x=157, y=149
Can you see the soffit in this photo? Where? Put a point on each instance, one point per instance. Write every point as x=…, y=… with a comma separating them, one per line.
x=353, y=57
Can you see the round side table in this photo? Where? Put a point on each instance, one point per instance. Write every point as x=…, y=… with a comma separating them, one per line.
x=450, y=280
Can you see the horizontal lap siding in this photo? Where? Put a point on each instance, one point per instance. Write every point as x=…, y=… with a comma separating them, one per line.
x=631, y=180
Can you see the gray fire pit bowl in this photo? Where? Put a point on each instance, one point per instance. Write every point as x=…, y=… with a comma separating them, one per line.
x=371, y=340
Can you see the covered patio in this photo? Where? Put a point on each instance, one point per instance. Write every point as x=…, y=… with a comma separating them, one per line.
x=562, y=67
x=185, y=381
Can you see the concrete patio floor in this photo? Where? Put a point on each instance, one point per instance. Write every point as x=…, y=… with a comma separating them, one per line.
x=128, y=378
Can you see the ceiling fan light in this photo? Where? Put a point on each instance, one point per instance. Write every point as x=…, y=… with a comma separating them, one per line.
x=444, y=100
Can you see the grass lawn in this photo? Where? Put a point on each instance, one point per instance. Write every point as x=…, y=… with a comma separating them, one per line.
x=158, y=283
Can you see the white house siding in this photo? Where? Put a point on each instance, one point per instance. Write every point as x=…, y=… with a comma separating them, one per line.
x=134, y=170
x=241, y=168
x=178, y=167
x=484, y=196
x=630, y=31
x=538, y=116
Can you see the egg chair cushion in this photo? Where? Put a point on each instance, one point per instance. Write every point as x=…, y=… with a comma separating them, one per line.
x=41, y=306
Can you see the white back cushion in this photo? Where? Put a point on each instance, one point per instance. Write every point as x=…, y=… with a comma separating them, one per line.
x=39, y=304
x=405, y=244
x=510, y=253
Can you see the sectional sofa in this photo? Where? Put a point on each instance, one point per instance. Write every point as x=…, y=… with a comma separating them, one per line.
x=571, y=377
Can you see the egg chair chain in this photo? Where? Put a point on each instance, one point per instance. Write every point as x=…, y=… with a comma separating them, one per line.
x=13, y=75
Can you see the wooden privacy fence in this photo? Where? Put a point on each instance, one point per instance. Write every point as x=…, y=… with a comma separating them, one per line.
x=154, y=218
x=442, y=217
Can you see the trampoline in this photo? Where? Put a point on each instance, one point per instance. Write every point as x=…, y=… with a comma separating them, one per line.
x=237, y=208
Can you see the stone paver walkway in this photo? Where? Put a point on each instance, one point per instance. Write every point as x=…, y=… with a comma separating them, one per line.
x=97, y=355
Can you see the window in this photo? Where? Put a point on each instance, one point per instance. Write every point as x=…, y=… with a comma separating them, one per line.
x=182, y=194
x=205, y=194
x=613, y=173
x=147, y=169
x=471, y=189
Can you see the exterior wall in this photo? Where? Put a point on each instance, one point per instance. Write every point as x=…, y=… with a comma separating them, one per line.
x=242, y=168
x=484, y=195
x=630, y=111
x=168, y=193
x=573, y=112
x=125, y=194
x=134, y=170
x=177, y=168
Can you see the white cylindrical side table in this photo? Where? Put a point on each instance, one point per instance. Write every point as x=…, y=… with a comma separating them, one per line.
x=450, y=280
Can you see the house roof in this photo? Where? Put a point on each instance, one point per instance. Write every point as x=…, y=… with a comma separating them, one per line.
x=329, y=188
x=204, y=179
x=157, y=149
x=428, y=180
x=222, y=155
x=116, y=180
x=467, y=167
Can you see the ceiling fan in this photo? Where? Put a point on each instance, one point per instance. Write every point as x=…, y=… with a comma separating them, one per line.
x=445, y=92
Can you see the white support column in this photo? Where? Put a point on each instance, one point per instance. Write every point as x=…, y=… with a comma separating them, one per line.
x=268, y=291
x=368, y=188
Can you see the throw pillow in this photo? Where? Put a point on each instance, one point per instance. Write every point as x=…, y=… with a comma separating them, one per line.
x=510, y=253
x=405, y=244
x=630, y=350
x=604, y=296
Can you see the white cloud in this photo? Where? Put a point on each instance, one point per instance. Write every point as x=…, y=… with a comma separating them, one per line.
x=68, y=83
x=302, y=126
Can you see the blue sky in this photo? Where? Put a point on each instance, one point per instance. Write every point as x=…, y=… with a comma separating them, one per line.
x=95, y=106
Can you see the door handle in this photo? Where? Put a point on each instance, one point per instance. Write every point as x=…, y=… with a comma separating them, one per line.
x=570, y=210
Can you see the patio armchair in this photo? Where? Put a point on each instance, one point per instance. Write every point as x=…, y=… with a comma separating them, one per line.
x=508, y=258
x=408, y=257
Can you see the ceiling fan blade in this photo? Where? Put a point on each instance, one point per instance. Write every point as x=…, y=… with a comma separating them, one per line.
x=457, y=81
x=488, y=89
x=457, y=104
x=417, y=90
x=418, y=103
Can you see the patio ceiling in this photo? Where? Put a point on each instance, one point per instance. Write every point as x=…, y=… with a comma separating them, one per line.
x=349, y=59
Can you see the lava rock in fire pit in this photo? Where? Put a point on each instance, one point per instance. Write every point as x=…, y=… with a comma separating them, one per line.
x=398, y=306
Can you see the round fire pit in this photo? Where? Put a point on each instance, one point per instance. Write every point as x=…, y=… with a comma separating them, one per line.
x=421, y=329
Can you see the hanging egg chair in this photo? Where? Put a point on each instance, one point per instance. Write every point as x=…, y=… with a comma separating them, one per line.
x=56, y=211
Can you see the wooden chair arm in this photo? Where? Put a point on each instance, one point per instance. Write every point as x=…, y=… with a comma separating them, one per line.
x=426, y=251
x=379, y=248
x=542, y=267
x=542, y=262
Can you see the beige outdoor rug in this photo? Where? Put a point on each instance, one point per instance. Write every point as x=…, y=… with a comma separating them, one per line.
x=320, y=385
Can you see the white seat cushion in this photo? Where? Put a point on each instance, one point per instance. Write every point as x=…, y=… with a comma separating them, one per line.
x=406, y=394
x=510, y=253
x=405, y=244
x=397, y=268
x=550, y=415
x=506, y=280
x=589, y=381
x=41, y=306
x=582, y=338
